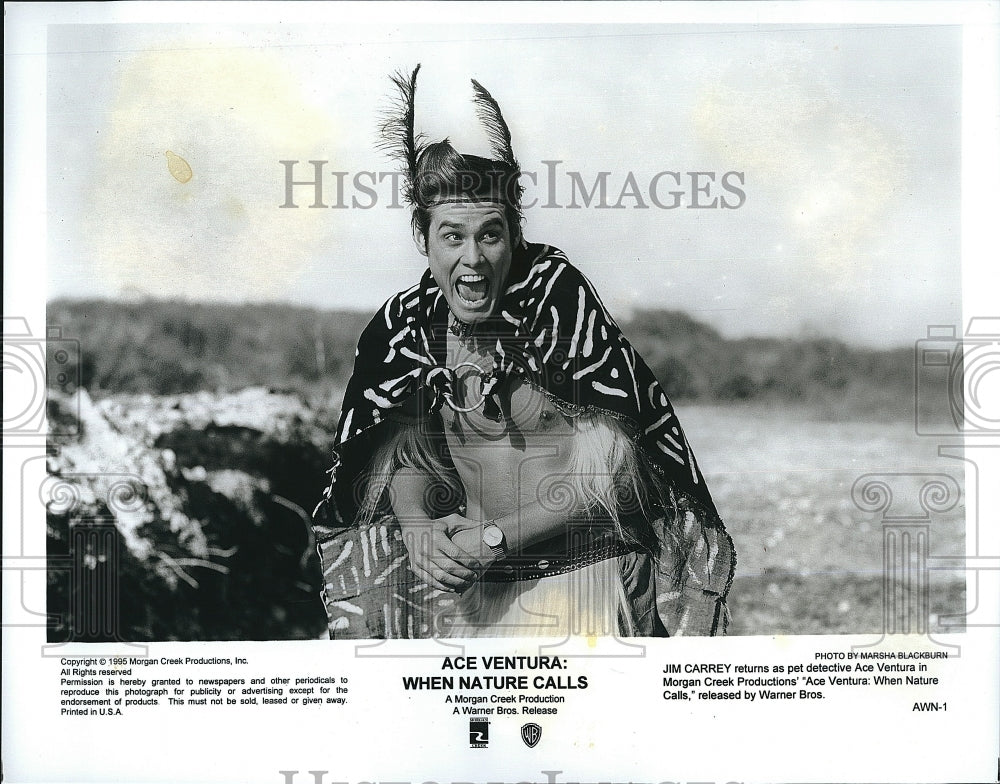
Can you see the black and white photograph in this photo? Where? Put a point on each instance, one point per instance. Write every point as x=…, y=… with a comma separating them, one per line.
x=470, y=368
x=720, y=245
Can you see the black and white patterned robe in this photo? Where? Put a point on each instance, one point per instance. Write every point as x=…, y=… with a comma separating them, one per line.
x=552, y=331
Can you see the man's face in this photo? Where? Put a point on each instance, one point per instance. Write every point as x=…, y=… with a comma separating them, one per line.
x=469, y=250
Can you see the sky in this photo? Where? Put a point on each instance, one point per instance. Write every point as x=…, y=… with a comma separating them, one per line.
x=840, y=146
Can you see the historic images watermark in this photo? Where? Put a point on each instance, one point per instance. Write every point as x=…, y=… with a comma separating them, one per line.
x=30, y=362
x=952, y=377
x=550, y=187
x=955, y=404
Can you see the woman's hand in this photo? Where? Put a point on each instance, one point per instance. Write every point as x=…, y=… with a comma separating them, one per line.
x=435, y=558
x=471, y=541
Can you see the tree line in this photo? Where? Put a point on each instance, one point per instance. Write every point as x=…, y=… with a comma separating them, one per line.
x=173, y=346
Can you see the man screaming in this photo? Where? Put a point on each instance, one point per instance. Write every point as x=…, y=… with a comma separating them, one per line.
x=506, y=464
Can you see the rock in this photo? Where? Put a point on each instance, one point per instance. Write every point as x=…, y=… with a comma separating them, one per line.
x=205, y=492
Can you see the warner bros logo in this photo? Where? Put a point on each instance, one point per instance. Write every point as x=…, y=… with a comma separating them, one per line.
x=479, y=732
x=531, y=733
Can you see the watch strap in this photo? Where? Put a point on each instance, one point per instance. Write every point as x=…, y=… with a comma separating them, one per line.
x=498, y=550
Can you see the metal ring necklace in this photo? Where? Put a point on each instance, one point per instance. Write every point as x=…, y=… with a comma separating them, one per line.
x=449, y=398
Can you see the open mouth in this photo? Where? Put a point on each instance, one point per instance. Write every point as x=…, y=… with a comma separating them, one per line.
x=472, y=289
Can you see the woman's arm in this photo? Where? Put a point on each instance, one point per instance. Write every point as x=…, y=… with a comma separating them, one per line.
x=434, y=557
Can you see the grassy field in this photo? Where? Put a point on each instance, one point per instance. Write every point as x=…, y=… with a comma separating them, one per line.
x=810, y=558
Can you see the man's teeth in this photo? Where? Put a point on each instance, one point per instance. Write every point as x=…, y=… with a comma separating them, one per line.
x=472, y=289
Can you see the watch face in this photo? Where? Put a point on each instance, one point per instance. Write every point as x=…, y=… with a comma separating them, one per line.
x=492, y=535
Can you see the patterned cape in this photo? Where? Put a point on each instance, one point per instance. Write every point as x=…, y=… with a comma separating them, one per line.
x=553, y=332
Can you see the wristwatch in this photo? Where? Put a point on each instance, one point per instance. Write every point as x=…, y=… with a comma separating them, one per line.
x=493, y=539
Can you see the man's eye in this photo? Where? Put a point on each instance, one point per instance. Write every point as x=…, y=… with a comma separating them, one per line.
x=452, y=237
x=491, y=237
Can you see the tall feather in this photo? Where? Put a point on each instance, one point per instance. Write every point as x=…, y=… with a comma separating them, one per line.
x=491, y=117
x=396, y=128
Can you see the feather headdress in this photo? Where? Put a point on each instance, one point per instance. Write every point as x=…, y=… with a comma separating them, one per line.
x=398, y=138
x=396, y=129
x=491, y=117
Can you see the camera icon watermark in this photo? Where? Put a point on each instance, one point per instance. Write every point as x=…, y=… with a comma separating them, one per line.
x=32, y=364
x=957, y=383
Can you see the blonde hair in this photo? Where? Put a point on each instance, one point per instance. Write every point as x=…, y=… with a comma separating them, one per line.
x=608, y=477
x=611, y=476
x=414, y=447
